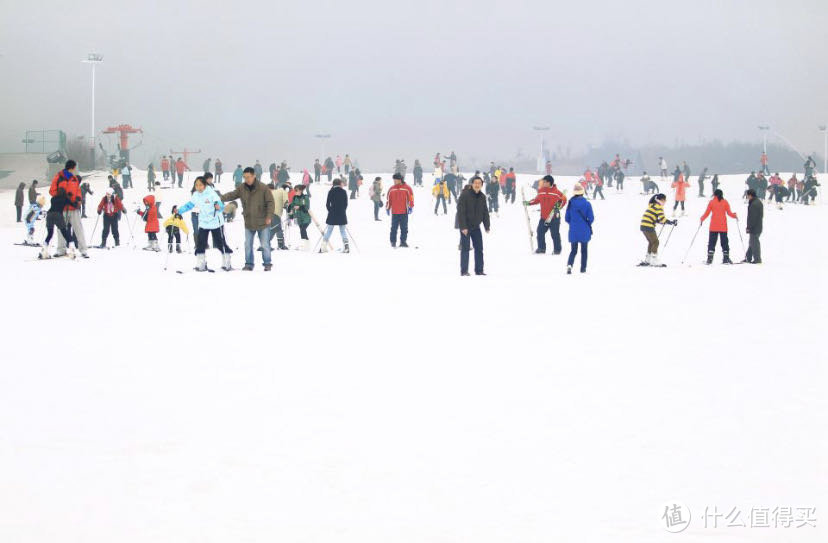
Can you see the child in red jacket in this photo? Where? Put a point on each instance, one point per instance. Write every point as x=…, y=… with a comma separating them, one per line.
x=150, y=216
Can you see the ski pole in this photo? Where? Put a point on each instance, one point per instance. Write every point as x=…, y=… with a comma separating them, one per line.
x=739, y=229
x=670, y=233
x=692, y=242
x=352, y=238
x=662, y=230
x=92, y=236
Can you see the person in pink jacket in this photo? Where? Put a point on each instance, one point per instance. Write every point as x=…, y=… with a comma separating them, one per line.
x=681, y=192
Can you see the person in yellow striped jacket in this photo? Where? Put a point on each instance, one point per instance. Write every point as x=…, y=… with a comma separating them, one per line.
x=653, y=216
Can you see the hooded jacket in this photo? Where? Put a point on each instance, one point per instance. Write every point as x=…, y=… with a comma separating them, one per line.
x=150, y=214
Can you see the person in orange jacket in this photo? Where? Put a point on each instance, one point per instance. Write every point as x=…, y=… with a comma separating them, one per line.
x=551, y=202
x=399, y=203
x=150, y=216
x=719, y=208
x=681, y=193
x=180, y=167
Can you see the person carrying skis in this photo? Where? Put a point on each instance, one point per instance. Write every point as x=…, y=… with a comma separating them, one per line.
x=258, y=208
x=680, y=187
x=493, y=192
x=173, y=226
x=755, y=216
x=110, y=208
x=579, y=216
x=719, y=210
x=652, y=216
x=551, y=202
x=336, y=204
x=299, y=209
x=440, y=192
x=210, y=221
x=399, y=203
x=471, y=213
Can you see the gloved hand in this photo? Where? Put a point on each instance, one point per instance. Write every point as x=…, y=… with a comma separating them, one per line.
x=526, y=203
x=410, y=210
x=387, y=211
x=674, y=222
x=99, y=212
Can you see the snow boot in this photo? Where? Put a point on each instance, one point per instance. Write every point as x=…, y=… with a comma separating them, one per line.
x=30, y=239
x=178, y=248
x=226, y=264
x=201, y=262
x=282, y=246
x=117, y=242
x=347, y=249
x=403, y=244
x=155, y=246
x=709, y=257
x=726, y=259
x=569, y=270
x=44, y=254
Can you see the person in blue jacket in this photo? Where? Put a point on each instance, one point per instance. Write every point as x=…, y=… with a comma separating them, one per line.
x=580, y=218
x=210, y=220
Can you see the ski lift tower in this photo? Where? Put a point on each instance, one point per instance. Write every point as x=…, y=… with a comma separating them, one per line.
x=123, y=130
x=542, y=156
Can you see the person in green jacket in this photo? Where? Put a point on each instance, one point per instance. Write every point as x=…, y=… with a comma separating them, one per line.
x=237, y=175
x=299, y=209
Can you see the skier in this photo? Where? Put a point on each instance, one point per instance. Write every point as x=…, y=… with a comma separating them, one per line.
x=471, y=212
x=298, y=209
x=280, y=202
x=258, y=208
x=165, y=167
x=238, y=175
x=418, y=174
x=151, y=177
x=652, y=216
x=68, y=181
x=180, y=168
x=755, y=217
x=126, y=176
x=579, y=216
x=173, y=226
x=493, y=191
x=54, y=218
x=219, y=167
x=551, y=202
x=110, y=208
x=440, y=192
x=209, y=222
x=150, y=216
x=680, y=187
x=399, y=203
x=375, y=194
x=32, y=215
x=206, y=166
x=719, y=209
x=336, y=204
x=18, y=200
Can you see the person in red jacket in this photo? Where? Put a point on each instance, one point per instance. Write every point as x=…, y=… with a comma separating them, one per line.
x=111, y=209
x=681, y=193
x=399, y=203
x=150, y=216
x=68, y=182
x=165, y=167
x=719, y=208
x=180, y=168
x=551, y=202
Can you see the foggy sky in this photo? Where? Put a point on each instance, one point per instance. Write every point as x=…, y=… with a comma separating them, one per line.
x=246, y=80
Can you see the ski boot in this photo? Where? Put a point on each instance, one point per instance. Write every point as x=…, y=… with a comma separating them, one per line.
x=569, y=270
x=709, y=257
x=201, y=263
x=346, y=249
x=70, y=253
x=178, y=248
x=44, y=254
x=226, y=264
x=155, y=246
x=726, y=259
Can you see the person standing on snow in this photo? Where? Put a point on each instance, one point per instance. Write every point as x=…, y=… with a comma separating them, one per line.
x=352, y=184
x=206, y=166
x=680, y=187
x=280, y=202
x=509, y=195
x=719, y=208
x=579, y=216
x=714, y=183
x=299, y=209
x=652, y=216
x=55, y=218
x=471, y=213
x=347, y=164
x=257, y=170
x=375, y=194
x=336, y=204
x=210, y=221
x=258, y=208
x=551, y=202
x=399, y=203
x=317, y=171
x=440, y=192
x=150, y=217
x=238, y=176
x=493, y=192
x=219, y=167
x=662, y=165
x=180, y=168
x=165, y=167
x=18, y=200
x=418, y=175
x=173, y=226
x=755, y=216
x=69, y=182
x=702, y=177
x=110, y=208
x=339, y=165
x=329, y=166
x=619, y=179
x=33, y=192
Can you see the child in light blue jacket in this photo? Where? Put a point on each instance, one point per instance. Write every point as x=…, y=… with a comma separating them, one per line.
x=210, y=220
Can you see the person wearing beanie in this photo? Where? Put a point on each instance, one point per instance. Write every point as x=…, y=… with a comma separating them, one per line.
x=719, y=209
x=652, y=216
x=551, y=202
x=579, y=217
x=111, y=208
x=755, y=216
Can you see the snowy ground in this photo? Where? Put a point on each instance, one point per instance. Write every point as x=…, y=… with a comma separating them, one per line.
x=378, y=396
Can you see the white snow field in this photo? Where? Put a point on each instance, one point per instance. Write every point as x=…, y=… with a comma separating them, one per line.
x=379, y=396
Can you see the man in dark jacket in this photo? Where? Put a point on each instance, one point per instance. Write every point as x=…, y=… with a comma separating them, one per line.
x=33, y=192
x=337, y=204
x=116, y=188
x=471, y=212
x=755, y=215
x=258, y=209
x=18, y=200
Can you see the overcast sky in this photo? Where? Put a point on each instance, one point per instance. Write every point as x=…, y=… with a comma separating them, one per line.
x=245, y=80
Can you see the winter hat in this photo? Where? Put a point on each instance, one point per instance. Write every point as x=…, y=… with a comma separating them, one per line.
x=578, y=190
x=110, y=192
x=41, y=201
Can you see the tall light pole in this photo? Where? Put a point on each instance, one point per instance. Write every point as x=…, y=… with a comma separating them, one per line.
x=824, y=130
x=322, y=138
x=93, y=59
x=541, y=155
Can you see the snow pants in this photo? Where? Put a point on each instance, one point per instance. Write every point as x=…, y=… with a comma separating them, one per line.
x=53, y=220
x=218, y=241
x=711, y=244
x=399, y=222
x=110, y=223
x=440, y=198
x=652, y=241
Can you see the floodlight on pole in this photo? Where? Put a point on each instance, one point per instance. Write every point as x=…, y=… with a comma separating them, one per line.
x=764, y=128
x=322, y=138
x=93, y=59
x=542, y=155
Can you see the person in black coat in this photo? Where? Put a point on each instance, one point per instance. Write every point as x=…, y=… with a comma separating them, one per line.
x=472, y=211
x=337, y=204
x=755, y=216
x=18, y=200
x=33, y=192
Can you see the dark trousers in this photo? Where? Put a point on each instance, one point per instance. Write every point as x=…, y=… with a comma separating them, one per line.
x=19, y=212
x=475, y=237
x=573, y=251
x=598, y=191
x=452, y=191
x=180, y=179
x=711, y=243
x=218, y=241
x=173, y=233
x=701, y=188
x=754, y=252
x=303, y=231
x=316, y=176
x=509, y=195
x=377, y=206
x=126, y=182
x=110, y=223
x=676, y=204
x=166, y=174
x=56, y=220
x=399, y=222
x=554, y=228
x=494, y=204
x=276, y=230
x=440, y=198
